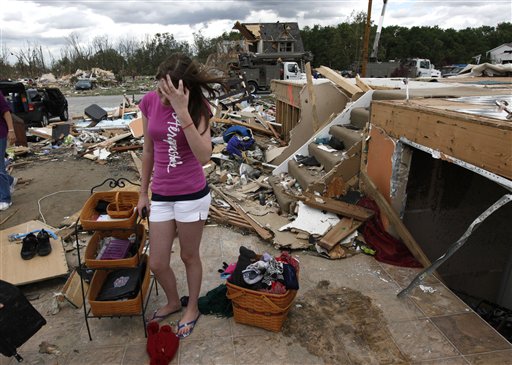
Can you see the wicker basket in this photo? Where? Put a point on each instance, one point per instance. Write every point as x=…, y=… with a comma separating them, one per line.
x=89, y=215
x=260, y=309
x=117, y=307
x=92, y=248
x=118, y=209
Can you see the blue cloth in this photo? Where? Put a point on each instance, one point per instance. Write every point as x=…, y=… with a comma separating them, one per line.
x=236, y=145
x=236, y=130
x=5, y=179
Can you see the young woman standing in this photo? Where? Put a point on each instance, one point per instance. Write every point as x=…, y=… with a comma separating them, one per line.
x=177, y=143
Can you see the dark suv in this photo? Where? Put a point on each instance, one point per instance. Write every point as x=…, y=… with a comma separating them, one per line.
x=36, y=106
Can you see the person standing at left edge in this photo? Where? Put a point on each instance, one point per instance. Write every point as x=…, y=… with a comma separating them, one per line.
x=7, y=136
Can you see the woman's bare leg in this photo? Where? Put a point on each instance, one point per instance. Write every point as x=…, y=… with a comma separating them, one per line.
x=190, y=238
x=161, y=238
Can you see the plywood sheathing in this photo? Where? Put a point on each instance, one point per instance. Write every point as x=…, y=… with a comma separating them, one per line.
x=379, y=160
x=136, y=127
x=481, y=141
x=17, y=271
x=330, y=101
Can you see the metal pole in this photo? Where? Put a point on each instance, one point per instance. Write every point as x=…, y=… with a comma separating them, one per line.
x=374, y=55
x=456, y=245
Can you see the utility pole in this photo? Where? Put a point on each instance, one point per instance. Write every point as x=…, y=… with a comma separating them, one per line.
x=366, y=39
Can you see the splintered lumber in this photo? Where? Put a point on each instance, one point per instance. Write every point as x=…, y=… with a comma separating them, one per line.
x=253, y=127
x=312, y=96
x=362, y=85
x=338, y=207
x=339, y=80
x=372, y=191
x=225, y=216
x=343, y=229
x=126, y=148
x=111, y=141
x=261, y=231
x=276, y=135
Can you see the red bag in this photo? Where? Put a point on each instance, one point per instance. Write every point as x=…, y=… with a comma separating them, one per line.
x=162, y=344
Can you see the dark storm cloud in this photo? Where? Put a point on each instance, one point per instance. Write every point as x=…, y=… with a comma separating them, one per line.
x=21, y=40
x=165, y=12
x=196, y=12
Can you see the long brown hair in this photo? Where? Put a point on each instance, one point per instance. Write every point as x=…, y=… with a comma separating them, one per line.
x=196, y=79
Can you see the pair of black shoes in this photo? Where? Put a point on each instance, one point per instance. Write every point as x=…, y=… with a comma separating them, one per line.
x=33, y=245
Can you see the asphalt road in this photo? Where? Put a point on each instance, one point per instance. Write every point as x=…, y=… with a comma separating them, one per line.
x=77, y=104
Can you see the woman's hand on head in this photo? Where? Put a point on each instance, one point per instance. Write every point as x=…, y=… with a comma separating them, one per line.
x=177, y=97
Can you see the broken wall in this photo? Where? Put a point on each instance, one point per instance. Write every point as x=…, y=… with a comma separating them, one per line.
x=439, y=199
x=330, y=101
x=443, y=199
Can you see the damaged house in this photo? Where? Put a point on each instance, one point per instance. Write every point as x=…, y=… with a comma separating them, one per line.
x=271, y=38
x=436, y=159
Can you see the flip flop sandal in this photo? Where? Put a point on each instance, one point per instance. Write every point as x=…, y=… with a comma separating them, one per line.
x=159, y=318
x=190, y=325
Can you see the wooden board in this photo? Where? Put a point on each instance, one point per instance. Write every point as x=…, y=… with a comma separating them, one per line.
x=481, y=141
x=338, y=207
x=312, y=96
x=362, y=85
x=337, y=233
x=17, y=271
x=339, y=80
x=136, y=127
x=371, y=190
x=72, y=290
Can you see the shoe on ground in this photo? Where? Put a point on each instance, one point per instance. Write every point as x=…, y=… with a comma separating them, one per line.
x=29, y=247
x=13, y=185
x=5, y=205
x=43, y=243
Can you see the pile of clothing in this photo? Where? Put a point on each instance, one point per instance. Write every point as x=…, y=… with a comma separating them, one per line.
x=238, y=139
x=266, y=273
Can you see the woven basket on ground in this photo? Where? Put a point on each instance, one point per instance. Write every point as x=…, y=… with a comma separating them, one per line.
x=260, y=309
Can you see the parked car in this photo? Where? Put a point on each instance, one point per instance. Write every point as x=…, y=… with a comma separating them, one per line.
x=35, y=106
x=84, y=85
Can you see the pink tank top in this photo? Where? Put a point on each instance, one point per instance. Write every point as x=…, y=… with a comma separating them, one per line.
x=176, y=171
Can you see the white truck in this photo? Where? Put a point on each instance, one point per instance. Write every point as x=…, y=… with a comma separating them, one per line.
x=412, y=67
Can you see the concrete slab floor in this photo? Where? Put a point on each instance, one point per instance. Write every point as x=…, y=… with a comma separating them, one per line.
x=346, y=312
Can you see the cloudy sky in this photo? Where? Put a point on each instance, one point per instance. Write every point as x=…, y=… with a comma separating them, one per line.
x=49, y=23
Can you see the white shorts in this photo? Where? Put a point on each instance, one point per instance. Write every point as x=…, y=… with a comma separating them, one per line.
x=181, y=211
